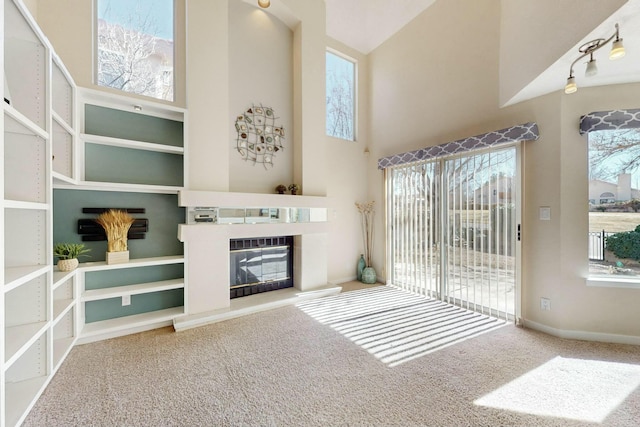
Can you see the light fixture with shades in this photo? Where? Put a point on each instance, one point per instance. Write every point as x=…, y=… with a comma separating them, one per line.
x=588, y=49
x=264, y=3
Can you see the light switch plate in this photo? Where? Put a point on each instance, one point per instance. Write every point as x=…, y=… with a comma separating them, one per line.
x=545, y=213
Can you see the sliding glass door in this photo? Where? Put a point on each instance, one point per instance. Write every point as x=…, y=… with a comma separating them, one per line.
x=452, y=225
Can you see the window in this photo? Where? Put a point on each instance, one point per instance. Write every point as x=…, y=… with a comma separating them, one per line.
x=614, y=195
x=135, y=46
x=341, y=105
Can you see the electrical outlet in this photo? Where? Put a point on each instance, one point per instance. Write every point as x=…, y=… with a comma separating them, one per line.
x=545, y=304
x=126, y=300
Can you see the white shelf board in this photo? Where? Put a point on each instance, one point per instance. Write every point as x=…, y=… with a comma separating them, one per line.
x=59, y=178
x=230, y=199
x=115, y=186
x=61, y=347
x=21, y=396
x=140, y=288
x=19, y=338
x=16, y=276
x=22, y=124
x=18, y=204
x=59, y=277
x=129, y=143
x=60, y=308
x=62, y=122
x=130, y=322
x=140, y=262
x=114, y=99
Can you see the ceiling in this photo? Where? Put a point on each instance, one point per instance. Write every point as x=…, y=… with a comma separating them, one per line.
x=366, y=24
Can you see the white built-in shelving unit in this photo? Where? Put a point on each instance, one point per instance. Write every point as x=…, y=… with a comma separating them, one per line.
x=46, y=146
x=117, y=326
x=28, y=326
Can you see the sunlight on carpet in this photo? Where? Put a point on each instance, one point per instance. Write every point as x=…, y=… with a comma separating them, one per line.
x=582, y=390
x=396, y=326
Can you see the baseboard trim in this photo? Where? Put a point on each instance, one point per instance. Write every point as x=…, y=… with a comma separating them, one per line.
x=582, y=335
x=337, y=282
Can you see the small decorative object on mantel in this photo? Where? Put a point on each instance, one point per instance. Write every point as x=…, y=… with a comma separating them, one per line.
x=68, y=254
x=116, y=224
x=259, y=138
x=280, y=189
x=366, y=215
x=294, y=189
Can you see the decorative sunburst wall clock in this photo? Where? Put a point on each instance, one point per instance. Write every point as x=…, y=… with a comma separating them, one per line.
x=259, y=138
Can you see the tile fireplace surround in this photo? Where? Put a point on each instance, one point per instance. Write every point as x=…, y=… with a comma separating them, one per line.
x=206, y=247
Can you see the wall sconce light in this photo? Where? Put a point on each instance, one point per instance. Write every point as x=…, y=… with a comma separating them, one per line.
x=587, y=49
x=264, y=3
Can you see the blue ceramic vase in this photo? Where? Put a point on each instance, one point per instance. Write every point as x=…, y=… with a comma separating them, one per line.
x=360, y=267
x=369, y=276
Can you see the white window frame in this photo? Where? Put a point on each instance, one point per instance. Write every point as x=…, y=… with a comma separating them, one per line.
x=355, y=92
x=175, y=57
x=608, y=281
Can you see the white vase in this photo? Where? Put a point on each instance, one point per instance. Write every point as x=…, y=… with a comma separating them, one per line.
x=67, y=264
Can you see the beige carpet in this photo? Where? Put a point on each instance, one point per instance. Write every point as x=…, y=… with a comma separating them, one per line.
x=323, y=364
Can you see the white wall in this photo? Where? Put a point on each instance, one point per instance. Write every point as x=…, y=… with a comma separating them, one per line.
x=261, y=57
x=425, y=92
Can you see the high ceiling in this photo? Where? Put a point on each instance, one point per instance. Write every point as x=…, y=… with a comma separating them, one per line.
x=366, y=24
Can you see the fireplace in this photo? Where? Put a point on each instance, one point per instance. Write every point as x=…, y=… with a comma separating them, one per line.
x=260, y=265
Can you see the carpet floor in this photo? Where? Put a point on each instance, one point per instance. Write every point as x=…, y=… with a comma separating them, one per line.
x=370, y=357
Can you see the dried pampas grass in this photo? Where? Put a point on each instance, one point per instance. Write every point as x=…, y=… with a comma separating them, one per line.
x=116, y=224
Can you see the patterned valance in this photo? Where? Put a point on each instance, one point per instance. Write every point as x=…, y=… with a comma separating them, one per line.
x=610, y=120
x=523, y=132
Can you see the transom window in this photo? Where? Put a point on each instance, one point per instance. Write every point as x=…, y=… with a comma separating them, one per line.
x=135, y=46
x=341, y=92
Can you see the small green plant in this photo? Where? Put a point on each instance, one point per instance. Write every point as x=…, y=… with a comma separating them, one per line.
x=281, y=189
x=69, y=250
x=625, y=244
x=293, y=188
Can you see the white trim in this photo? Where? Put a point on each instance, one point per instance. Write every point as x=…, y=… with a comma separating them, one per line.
x=582, y=335
x=613, y=282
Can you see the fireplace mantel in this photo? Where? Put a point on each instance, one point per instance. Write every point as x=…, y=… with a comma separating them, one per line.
x=207, y=253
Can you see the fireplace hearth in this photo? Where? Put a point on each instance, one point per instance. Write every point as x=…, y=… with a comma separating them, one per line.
x=260, y=265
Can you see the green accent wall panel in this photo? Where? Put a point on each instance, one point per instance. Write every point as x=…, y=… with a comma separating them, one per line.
x=135, y=126
x=104, y=163
x=162, y=211
x=112, y=308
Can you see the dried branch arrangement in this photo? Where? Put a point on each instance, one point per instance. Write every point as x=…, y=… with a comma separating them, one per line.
x=366, y=215
x=116, y=224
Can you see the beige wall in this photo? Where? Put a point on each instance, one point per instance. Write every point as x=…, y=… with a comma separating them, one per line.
x=424, y=94
x=347, y=163
x=261, y=57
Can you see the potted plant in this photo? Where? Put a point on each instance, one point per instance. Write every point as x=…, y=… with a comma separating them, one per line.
x=116, y=224
x=294, y=189
x=68, y=253
x=281, y=189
